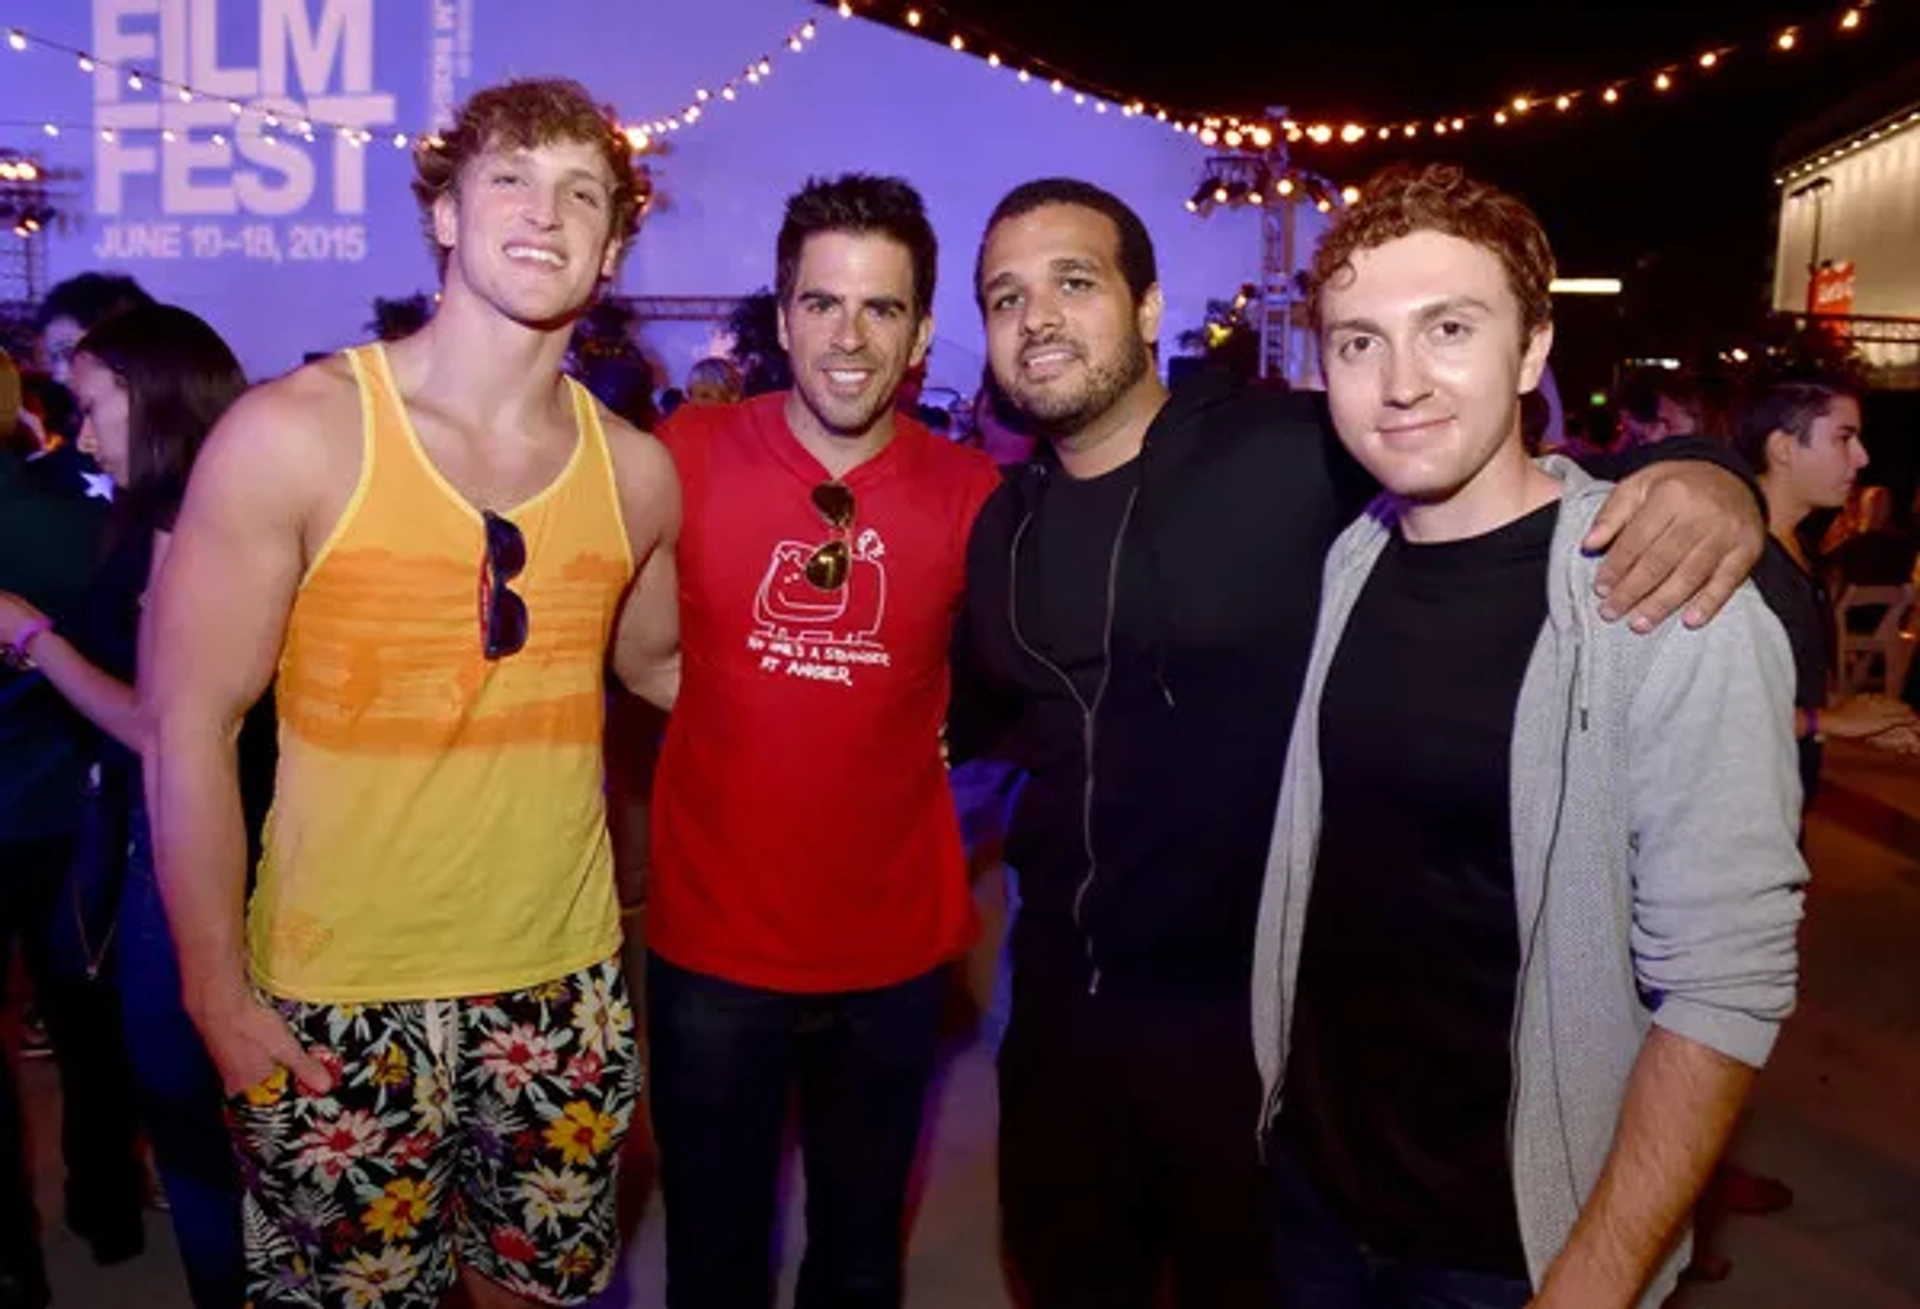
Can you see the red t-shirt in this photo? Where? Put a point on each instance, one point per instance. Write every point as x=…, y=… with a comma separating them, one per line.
x=804, y=838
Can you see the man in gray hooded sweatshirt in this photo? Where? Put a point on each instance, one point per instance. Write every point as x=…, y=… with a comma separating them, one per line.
x=1529, y=919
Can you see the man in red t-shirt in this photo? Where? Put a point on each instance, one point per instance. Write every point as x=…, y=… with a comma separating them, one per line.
x=808, y=885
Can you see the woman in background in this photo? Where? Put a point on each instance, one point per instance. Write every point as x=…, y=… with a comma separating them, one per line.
x=151, y=382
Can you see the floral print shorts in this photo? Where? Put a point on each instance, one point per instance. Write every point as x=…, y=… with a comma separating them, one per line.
x=481, y=1133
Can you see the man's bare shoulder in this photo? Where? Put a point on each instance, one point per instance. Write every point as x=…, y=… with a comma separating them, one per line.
x=644, y=475
x=295, y=440
x=638, y=456
x=318, y=401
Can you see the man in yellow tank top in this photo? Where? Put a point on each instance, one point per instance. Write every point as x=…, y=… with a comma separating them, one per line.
x=429, y=549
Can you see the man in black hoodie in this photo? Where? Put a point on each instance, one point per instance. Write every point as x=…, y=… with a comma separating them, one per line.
x=1140, y=602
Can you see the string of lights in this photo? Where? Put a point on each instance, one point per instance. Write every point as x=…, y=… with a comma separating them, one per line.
x=641, y=134
x=1257, y=131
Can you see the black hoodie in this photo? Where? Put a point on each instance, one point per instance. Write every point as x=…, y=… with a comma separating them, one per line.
x=1141, y=836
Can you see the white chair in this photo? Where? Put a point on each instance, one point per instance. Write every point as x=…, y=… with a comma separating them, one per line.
x=1877, y=660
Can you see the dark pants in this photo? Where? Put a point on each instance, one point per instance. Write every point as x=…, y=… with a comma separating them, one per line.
x=61, y=913
x=180, y=1096
x=1128, y=1154
x=1323, y=1265
x=725, y=1057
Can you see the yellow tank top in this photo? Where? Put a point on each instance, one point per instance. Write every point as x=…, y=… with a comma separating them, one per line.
x=439, y=820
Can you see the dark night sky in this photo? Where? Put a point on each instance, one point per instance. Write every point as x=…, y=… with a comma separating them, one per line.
x=1675, y=196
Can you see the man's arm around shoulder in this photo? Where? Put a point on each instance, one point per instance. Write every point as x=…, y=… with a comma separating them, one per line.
x=646, y=643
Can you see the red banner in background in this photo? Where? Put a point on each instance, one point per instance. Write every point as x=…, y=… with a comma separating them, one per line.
x=1833, y=288
x=1832, y=293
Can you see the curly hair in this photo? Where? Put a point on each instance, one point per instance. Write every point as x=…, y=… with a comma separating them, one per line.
x=1403, y=199
x=521, y=115
x=859, y=204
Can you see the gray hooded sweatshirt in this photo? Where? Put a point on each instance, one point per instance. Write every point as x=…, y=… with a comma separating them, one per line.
x=1657, y=873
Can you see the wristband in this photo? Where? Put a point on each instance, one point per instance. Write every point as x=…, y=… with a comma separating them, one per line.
x=17, y=652
x=1813, y=726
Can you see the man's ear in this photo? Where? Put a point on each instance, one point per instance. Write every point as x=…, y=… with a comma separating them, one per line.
x=446, y=218
x=1780, y=444
x=922, y=340
x=1152, y=308
x=1533, y=363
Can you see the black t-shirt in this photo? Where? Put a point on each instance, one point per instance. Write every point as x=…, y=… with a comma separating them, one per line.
x=1063, y=605
x=1800, y=603
x=1400, y=1071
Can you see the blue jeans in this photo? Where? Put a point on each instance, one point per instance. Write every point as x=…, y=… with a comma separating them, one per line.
x=179, y=1091
x=1321, y=1264
x=724, y=1058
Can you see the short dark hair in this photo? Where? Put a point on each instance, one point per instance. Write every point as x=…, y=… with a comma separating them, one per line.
x=1792, y=406
x=860, y=204
x=180, y=377
x=90, y=299
x=1137, y=262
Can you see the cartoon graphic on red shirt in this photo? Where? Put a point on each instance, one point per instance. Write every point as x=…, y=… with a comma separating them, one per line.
x=790, y=607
